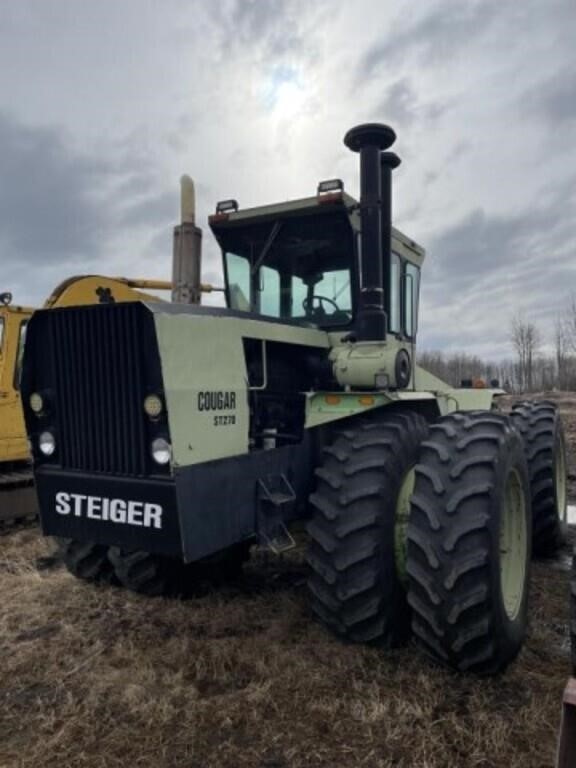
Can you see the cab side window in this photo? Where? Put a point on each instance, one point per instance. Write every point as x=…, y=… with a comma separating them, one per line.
x=20, y=353
x=269, y=292
x=238, y=271
x=411, y=292
x=394, y=319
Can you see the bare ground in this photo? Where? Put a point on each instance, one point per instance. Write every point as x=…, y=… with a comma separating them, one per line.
x=242, y=677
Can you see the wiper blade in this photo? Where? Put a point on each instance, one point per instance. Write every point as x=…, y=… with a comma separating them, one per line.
x=276, y=227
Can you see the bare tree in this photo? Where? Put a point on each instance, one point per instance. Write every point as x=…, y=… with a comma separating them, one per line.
x=561, y=347
x=570, y=324
x=526, y=340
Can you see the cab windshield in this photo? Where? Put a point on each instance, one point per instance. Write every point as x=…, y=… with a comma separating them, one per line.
x=297, y=268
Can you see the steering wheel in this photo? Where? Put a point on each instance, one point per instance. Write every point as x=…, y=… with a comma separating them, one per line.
x=308, y=305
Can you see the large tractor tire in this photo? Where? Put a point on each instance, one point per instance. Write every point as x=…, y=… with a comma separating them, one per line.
x=156, y=575
x=541, y=428
x=86, y=560
x=469, y=543
x=357, y=531
x=147, y=574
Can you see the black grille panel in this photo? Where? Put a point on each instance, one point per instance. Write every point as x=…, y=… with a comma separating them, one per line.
x=99, y=368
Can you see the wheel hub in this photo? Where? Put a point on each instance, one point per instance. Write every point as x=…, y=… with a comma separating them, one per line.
x=560, y=480
x=513, y=538
x=402, y=515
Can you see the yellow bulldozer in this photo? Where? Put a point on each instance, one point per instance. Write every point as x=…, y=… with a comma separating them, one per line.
x=17, y=495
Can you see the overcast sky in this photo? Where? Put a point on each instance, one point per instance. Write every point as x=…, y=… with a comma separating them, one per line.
x=103, y=105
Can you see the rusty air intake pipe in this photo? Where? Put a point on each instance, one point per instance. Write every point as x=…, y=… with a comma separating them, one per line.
x=376, y=168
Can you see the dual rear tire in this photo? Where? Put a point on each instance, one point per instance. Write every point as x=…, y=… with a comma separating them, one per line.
x=469, y=543
x=464, y=574
x=539, y=423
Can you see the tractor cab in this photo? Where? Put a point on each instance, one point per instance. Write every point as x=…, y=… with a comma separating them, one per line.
x=300, y=262
x=293, y=261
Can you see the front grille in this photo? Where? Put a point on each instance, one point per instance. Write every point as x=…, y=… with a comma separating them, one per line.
x=98, y=365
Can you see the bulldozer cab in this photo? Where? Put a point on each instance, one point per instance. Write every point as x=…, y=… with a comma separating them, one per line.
x=300, y=262
x=13, y=324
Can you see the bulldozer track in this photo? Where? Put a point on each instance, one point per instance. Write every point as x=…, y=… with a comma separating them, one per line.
x=18, y=504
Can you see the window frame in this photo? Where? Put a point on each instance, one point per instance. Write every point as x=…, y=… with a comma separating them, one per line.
x=415, y=299
x=397, y=331
x=285, y=292
x=19, y=359
x=225, y=254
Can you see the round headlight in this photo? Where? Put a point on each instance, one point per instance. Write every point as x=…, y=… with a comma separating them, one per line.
x=36, y=402
x=47, y=443
x=153, y=406
x=161, y=451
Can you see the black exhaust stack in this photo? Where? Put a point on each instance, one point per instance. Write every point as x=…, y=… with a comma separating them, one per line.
x=388, y=162
x=376, y=217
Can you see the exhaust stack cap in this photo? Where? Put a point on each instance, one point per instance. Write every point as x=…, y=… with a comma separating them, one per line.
x=390, y=160
x=369, y=135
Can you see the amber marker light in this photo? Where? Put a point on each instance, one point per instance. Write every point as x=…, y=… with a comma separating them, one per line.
x=153, y=406
x=37, y=403
x=332, y=399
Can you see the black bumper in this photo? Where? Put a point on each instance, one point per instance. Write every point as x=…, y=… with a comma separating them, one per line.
x=204, y=509
x=130, y=513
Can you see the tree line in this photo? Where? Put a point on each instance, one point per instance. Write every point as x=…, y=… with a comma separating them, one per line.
x=532, y=366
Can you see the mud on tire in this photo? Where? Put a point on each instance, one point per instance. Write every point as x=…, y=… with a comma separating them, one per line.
x=540, y=425
x=471, y=497
x=354, y=586
x=86, y=560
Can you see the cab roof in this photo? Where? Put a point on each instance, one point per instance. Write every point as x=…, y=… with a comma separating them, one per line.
x=323, y=204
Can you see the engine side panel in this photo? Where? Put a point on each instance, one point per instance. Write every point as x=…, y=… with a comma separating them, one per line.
x=208, y=386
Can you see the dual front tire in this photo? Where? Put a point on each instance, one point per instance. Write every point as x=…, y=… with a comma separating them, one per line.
x=357, y=540
x=145, y=573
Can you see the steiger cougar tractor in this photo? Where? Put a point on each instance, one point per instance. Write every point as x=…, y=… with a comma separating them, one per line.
x=168, y=435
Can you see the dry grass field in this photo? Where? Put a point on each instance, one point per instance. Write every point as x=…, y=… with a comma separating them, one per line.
x=242, y=677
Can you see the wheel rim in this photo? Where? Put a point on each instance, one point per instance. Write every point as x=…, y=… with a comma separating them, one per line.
x=401, y=521
x=513, y=539
x=560, y=480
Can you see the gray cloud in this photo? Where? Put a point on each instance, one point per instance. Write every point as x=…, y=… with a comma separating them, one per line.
x=151, y=211
x=479, y=242
x=48, y=205
x=488, y=266
x=401, y=105
x=554, y=98
x=435, y=36
x=269, y=26
x=62, y=208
